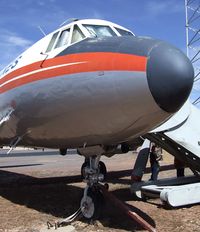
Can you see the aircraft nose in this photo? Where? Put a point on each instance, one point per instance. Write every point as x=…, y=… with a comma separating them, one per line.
x=170, y=76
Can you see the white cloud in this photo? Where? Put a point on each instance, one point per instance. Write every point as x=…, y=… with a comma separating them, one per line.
x=155, y=7
x=18, y=41
x=11, y=45
x=41, y=3
x=98, y=15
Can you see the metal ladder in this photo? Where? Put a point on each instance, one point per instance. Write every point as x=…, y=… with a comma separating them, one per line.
x=178, y=151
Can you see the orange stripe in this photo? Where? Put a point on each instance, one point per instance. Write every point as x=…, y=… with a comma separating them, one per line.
x=98, y=61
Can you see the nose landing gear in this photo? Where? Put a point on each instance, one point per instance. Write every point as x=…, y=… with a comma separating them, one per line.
x=92, y=199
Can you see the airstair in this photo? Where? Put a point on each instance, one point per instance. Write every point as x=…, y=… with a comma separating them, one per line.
x=180, y=136
x=183, y=140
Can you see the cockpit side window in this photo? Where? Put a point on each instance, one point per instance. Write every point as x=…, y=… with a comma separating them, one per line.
x=52, y=41
x=123, y=32
x=63, y=38
x=77, y=34
x=100, y=30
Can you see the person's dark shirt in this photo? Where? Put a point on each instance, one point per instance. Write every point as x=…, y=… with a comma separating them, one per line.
x=153, y=157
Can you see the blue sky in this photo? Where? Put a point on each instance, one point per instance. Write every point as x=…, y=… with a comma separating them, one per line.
x=19, y=20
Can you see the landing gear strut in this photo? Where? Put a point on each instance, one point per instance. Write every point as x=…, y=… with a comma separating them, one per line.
x=86, y=165
x=92, y=198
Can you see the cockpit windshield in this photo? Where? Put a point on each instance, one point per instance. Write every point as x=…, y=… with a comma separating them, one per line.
x=76, y=32
x=100, y=30
x=123, y=32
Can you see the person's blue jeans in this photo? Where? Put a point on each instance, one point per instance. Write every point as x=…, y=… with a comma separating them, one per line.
x=154, y=171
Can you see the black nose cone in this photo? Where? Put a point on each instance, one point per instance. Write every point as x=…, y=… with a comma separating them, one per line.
x=170, y=76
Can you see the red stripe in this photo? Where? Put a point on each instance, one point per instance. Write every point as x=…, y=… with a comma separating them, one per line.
x=100, y=61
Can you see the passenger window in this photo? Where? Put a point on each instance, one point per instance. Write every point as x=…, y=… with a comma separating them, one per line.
x=77, y=34
x=123, y=32
x=100, y=31
x=52, y=41
x=63, y=38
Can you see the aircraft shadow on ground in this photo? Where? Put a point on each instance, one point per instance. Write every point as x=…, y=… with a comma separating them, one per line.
x=19, y=166
x=56, y=196
x=115, y=176
x=117, y=218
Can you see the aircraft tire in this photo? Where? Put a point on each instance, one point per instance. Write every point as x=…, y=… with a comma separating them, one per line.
x=103, y=169
x=84, y=165
x=91, y=206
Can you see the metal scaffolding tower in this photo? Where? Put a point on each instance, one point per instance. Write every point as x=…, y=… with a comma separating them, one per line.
x=192, y=10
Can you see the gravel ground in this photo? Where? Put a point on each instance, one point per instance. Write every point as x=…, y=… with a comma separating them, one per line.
x=43, y=187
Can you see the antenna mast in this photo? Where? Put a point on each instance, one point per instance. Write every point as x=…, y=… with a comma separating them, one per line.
x=41, y=30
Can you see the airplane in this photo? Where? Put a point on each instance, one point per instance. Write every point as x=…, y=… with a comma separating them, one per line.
x=94, y=86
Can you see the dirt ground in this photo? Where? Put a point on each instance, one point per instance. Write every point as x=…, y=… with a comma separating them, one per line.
x=45, y=187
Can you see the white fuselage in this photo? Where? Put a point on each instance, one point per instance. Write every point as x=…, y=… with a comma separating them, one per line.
x=92, y=91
